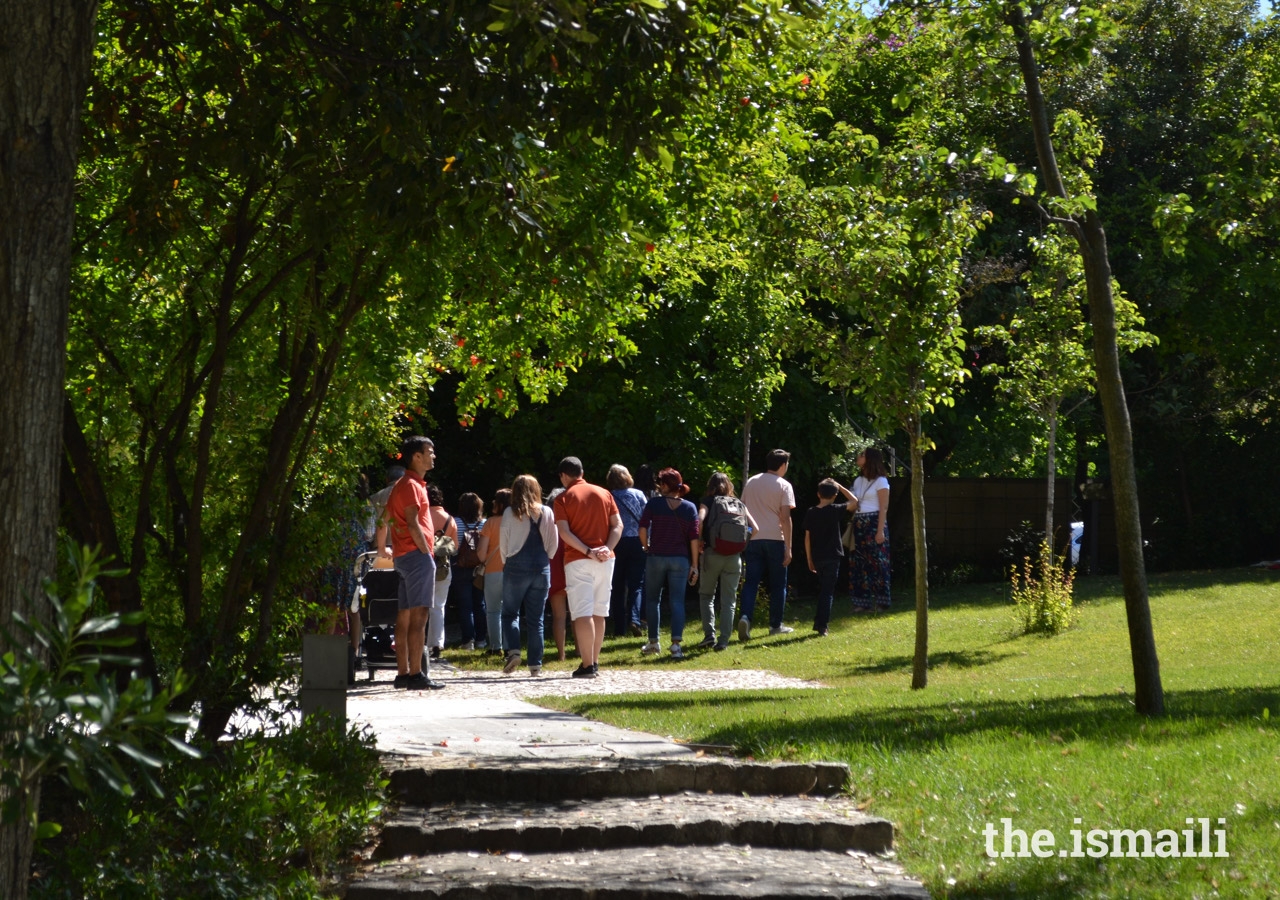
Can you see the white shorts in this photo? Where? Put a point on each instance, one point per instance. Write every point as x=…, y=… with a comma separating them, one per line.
x=588, y=584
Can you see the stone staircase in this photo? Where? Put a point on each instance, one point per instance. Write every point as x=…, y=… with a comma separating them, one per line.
x=627, y=830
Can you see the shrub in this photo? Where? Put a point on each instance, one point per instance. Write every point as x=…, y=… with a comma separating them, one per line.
x=1042, y=594
x=271, y=815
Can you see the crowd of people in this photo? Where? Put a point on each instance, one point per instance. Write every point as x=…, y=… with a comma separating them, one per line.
x=603, y=557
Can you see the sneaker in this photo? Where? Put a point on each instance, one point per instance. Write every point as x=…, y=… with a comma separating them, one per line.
x=420, y=682
x=595, y=669
x=584, y=672
x=467, y=645
x=653, y=648
x=721, y=647
x=782, y=629
x=707, y=643
x=512, y=663
x=676, y=652
x=400, y=682
x=535, y=671
x=482, y=645
x=634, y=630
x=820, y=632
x=744, y=629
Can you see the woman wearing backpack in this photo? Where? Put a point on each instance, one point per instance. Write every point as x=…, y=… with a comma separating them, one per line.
x=719, y=514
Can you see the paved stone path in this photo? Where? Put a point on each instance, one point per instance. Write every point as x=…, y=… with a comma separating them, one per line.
x=504, y=799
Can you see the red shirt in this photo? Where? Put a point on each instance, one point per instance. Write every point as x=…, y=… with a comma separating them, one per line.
x=409, y=491
x=587, y=510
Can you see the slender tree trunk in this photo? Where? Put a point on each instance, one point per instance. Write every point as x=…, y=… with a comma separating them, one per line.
x=920, y=664
x=45, y=52
x=746, y=450
x=1089, y=234
x=1051, y=468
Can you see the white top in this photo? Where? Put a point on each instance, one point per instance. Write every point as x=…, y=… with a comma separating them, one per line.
x=768, y=498
x=516, y=531
x=867, y=493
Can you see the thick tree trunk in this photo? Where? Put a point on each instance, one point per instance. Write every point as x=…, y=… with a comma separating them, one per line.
x=45, y=51
x=920, y=664
x=1088, y=232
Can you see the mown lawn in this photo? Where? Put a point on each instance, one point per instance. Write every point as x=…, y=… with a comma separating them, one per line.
x=1038, y=730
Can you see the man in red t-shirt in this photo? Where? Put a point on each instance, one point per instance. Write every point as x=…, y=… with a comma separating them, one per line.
x=590, y=527
x=408, y=516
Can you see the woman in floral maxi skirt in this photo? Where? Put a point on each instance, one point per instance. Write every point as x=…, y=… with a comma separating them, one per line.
x=869, y=559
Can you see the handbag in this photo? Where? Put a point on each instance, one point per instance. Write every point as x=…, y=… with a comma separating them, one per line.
x=477, y=578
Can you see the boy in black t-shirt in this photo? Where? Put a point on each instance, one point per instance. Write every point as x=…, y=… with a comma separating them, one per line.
x=822, y=527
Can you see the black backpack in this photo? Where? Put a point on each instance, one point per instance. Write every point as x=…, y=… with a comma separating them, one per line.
x=726, y=525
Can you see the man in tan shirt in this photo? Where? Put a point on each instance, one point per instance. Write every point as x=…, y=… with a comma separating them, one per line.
x=770, y=499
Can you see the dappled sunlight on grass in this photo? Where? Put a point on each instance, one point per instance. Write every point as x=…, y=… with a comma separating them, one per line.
x=1039, y=730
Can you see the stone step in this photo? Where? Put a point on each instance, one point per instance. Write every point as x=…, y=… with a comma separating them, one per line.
x=793, y=823
x=413, y=781
x=656, y=873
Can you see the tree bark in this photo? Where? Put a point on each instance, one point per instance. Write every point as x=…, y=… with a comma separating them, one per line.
x=1050, y=467
x=1089, y=234
x=920, y=664
x=45, y=53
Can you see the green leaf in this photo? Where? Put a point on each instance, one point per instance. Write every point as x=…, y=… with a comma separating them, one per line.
x=46, y=830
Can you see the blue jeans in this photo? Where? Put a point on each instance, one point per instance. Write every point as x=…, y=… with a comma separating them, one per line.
x=828, y=569
x=493, y=608
x=764, y=558
x=628, y=584
x=524, y=595
x=673, y=571
x=469, y=601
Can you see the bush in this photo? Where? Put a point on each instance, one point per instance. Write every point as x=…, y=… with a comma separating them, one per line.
x=264, y=816
x=1043, y=594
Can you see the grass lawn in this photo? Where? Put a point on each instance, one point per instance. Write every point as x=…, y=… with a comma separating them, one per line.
x=1038, y=730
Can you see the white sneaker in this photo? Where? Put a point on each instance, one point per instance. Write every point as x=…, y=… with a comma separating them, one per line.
x=468, y=645
x=782, y=629
x=744, y=629
x=676, y=652
x=651, y=649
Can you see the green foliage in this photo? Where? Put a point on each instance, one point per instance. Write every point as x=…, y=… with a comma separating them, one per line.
x=263, y=816
x=1042, y=593
x=62, y=712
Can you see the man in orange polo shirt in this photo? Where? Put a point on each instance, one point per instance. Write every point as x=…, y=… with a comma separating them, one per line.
x=408, y=515
x=590, y=527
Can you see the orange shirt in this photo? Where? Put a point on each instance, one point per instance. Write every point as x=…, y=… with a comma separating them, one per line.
x=410, y=490
x=494, y=561
x=587, y=510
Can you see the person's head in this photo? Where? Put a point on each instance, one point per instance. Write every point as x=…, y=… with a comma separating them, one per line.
x=871, y=463
x=777, y=462
x=418, y=453
x=720, y=485
x=555, y=492
x=827, y=489
x=670, y=484
x=501, y=501
x=470, y=507
x=570, y=470
x=394, y=473
x=526, y=496
x=618, y=478
x=644, y=479
x=435, y=496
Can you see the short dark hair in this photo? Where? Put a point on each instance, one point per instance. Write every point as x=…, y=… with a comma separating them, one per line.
x=435, y=496
x=776, y=460
x=827, y=488
x=501, y=501
x=414, y=444
x=571, y=466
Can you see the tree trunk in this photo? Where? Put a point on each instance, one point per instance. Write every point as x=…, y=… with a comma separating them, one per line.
x=45, y=52
x=1088, y=232
x=1050, y=467
x=920, y=665
x=746, y=450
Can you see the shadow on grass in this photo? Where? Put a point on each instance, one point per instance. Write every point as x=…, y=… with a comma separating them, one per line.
x=920, y=728
x=956, y=659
